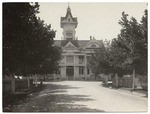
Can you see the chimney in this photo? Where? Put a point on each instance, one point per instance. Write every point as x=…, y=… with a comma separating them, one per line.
x=90, y=37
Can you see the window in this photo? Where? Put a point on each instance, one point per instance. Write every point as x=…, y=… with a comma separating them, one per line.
x=69, y=34
x=81, y=59
x=68, y=19
x=81, y=69
x=69, y=59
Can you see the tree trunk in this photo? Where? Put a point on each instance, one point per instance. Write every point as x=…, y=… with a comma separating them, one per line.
x=116, y=76
x=13, y=84
x=121, y=82
x=106, y=80
x=41, y=81
x=54, y=75
x=28, y=82
x=36, y=80
x=44, y=78
x=133, y=80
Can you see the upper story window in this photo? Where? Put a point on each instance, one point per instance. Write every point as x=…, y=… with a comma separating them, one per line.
x=68, y=19
x=81, y=59
x=69, y=59
x=81, y=70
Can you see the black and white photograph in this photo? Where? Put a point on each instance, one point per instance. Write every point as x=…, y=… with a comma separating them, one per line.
x=75, y=57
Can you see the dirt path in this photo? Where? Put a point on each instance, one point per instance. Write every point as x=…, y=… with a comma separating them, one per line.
x=81, y=96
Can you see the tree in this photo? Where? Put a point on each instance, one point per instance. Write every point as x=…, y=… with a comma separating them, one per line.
x=99, y=61
x=108, y=59
x=133, y=38
x=27, y=41
x=118, y=56
x=16, y=35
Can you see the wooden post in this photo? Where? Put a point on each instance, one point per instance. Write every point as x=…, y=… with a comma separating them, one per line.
x=85, y=74
x=95, y=76
x=106, y=79
x=13, y=84
x=28, y=82
x=133, y=80
x=85, y=60
x=116, y=76
x=41, y=81
x=54, y=75
x=36, y=81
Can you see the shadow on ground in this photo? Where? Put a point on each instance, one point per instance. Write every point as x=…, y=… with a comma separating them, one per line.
x=53, y=98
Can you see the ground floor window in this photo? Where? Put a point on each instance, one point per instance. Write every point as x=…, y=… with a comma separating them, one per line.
x=81, y=69
x=70, y=70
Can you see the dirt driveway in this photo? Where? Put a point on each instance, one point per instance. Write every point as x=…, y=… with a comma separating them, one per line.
x=81, y=96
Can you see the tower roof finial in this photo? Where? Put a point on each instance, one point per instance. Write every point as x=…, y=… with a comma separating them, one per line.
x=68, y=5
x=68, y=9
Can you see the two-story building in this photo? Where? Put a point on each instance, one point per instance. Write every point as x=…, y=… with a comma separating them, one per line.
x=75, y=53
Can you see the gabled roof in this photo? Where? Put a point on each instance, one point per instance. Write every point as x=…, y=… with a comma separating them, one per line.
x=74, y=42
x=92, y=43
x=69, y=45
x=77, y=43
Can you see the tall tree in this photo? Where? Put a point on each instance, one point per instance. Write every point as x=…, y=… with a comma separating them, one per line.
x=27, y=41
x=16, y=18
x=99, y=61
x=133, y=38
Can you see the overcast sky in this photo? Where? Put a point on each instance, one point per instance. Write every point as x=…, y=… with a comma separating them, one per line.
x=94, y=19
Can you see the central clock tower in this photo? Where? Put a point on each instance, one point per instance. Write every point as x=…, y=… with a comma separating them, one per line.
x=68, y=24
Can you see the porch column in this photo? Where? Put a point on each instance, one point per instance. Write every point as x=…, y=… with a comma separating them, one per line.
x=85, y=69
x=64, y=59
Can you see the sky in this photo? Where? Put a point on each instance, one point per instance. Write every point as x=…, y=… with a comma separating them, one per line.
x=99, y=20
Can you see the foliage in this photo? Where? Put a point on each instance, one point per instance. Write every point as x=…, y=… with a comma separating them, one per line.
x=125, y=53
x=27, y=41
x=133, y=38
x=99, y=61
x=117, y=57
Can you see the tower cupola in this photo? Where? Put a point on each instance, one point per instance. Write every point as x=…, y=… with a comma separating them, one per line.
x=68, y=24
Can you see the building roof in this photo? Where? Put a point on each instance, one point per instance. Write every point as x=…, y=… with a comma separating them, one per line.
x=82, y=43
x=67, y=14
x=57, y=43
x=77, y=43
x=74, y=42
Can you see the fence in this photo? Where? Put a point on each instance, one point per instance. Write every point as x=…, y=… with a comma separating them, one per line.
x=126, y=82
x=20, y=84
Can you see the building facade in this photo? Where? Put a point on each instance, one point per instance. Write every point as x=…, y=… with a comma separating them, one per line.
x=75, y=53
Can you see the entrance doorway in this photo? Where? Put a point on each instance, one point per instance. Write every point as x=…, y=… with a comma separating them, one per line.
x=70, y=72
